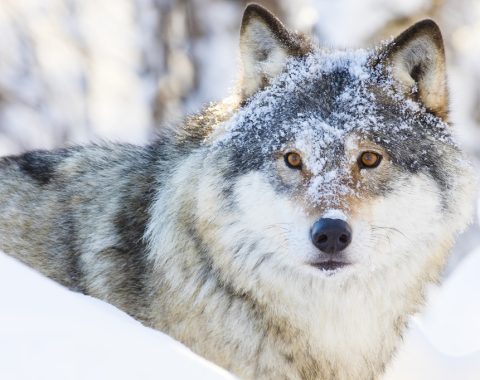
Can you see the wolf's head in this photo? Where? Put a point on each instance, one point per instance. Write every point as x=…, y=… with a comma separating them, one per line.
x=336, y=164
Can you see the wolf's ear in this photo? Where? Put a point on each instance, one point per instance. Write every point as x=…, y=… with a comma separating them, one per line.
x=417, y=60
x=265, y=44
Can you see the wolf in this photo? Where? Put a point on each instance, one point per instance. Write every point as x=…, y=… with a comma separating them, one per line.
x=287, y=232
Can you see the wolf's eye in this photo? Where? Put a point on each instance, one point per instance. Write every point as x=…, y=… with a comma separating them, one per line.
x=369, y=160
x=293, y=160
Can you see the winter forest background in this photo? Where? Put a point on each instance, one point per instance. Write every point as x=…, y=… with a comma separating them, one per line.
x=78, y=71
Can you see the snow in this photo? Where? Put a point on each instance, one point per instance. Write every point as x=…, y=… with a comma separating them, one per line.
x=48, y=332
x=454, y=307
x=443, y=343
x=335, y=214
x=418, y=359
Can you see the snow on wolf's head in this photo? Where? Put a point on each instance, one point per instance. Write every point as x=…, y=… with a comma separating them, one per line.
x=337, y=164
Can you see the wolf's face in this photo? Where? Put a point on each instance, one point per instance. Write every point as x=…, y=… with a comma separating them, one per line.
x=338, y=164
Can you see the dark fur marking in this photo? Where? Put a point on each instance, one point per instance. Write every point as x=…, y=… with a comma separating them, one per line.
x=207, y=270
x=39, y=165
x=288, y=357
x=73, y=269
x=264, y=258
x=261, y=55
x=131, y=223
x=261, y=344
x=416, y=72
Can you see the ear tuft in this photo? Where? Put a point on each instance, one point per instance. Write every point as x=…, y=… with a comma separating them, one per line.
x=417, y=60
x=265, y=45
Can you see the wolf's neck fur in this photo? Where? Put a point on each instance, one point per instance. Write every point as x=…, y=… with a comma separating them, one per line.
x=307, y=328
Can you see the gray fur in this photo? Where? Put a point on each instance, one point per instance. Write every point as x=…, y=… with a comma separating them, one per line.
x=170, y=232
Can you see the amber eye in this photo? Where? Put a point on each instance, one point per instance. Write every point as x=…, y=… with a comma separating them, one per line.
x=293, y=160
x=370, y=160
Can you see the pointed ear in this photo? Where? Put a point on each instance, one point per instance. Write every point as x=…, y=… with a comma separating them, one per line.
x=265, y=44
x=417, y=60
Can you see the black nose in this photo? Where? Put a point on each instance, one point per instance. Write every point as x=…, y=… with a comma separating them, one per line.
x=331, y=235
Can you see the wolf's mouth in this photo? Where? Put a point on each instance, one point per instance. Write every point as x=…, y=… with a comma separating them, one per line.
x=329, y=265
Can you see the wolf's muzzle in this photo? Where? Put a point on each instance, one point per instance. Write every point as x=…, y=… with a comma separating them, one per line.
x=331, y=235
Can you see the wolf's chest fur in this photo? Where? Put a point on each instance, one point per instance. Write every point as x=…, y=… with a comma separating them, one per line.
x=287, y=234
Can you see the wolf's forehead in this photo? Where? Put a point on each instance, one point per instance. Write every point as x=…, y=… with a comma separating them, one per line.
x=313, y=91
x=320, y=83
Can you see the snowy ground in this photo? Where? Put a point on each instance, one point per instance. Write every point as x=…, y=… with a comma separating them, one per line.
x=48, y=332
x=443, y=343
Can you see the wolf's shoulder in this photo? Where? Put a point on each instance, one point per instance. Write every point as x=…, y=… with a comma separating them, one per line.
x=46, y=166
